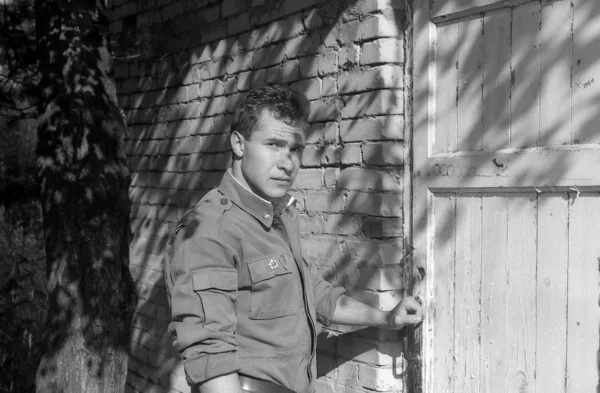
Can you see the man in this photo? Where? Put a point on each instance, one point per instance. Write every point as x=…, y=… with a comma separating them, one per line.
x=244, y=302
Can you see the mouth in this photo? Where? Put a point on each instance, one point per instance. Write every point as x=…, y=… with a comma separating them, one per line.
x=282, y=180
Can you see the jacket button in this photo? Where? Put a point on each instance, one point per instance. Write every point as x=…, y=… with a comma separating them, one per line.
x=267, y=215
x=224, y=201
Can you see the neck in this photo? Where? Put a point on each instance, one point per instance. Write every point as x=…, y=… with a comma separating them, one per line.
x=237, y=175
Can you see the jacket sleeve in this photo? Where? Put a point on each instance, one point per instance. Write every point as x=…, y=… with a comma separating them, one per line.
x=326, y=295
x=202, y=284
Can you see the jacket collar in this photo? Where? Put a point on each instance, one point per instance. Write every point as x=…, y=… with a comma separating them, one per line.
x=259, y=208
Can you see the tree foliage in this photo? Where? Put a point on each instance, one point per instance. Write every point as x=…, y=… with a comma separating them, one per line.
x=18, y=68
x=84, y=198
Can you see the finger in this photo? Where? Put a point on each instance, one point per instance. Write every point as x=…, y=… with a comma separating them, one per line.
x=410, y=303
x=413, y=319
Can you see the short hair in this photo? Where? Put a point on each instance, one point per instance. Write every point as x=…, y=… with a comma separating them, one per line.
x=283, y=102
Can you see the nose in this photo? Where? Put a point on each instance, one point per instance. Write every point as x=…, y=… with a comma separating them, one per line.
x=285, y=162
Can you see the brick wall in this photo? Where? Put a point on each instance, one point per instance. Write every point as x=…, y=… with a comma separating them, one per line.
x=181, y=68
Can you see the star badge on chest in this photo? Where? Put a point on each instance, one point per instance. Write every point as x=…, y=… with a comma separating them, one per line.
x=273, y=264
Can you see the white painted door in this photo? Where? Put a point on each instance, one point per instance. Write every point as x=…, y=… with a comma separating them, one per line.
x=506, y=194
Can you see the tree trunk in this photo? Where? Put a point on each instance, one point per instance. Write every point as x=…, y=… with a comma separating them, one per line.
x=84, y=196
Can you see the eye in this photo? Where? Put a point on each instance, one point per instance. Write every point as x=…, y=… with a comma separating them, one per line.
x=297, y=149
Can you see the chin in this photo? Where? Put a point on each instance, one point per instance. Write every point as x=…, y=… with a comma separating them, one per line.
x=276, y=193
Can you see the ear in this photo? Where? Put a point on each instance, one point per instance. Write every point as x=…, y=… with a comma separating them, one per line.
x=237, y=144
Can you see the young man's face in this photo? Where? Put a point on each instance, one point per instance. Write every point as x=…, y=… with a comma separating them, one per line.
x=271, y=157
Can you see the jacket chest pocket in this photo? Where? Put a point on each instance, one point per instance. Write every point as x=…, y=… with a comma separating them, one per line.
x=273, y=288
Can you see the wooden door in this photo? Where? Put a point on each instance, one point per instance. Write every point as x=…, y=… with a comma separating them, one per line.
x=506, y=194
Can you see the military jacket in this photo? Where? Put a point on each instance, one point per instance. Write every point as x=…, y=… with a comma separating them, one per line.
x=242, y=297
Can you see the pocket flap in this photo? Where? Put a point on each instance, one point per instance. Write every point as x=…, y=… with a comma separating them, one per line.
x=267, y=267
x=215, y=278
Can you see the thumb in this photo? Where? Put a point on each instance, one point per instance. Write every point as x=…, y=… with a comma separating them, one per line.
x=413, y=319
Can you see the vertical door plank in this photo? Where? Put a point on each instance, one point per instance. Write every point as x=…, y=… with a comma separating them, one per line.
x=493, y=294
x=521, y=293
x=443, y=323
x=555, y=86
x=470, y=79
x=553, y=238
x=586, y=71
x=525, y=64
x=496, y=80
x=467, y=294
x=583, y=310
x=446, y=85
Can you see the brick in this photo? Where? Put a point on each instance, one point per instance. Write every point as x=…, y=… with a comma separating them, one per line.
x=274, y=74
x=328, y=87
x=330, y=176
x=264, y=15
x=225, y=47
x=231, y=7
x=321, y=251
x=382, y=378
x=193, y=92
x=347, y=371
x=307, y=67
x=189, y=145
x=315, y=133
x=311, y=156
x=378, y=227
x=291, y=7
x=243, y=81
x=342, y=224
x=378, y=26
x=331, y=132
x=383, y=153
x=347, y=32
x=173, y=10
x=267, y=56
x=388, y=50
x=308, y=179
x=285, y=28
x=371, y=252
x=348, y=57
x=363, y=179
x=303, y=45
x=325, y=109
x=241, y=62
x=290, y=71
x=325, y=201
x=312, y=19
x=383, y=205
x=259, y=78
x=384, y=77
x=216, y=106
x=254, y=39
x=380, y=102
x=380, y=279
x=327, y=63
x=311, y=224
x=229, y=85
x=210, y=32
x=310, y=87
x=232, y=103
x=351, y=154
x=331, y=155
x=374, y=129
x=323, y=386
x=367, y=351
x=368, y=6
x=238, y=24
